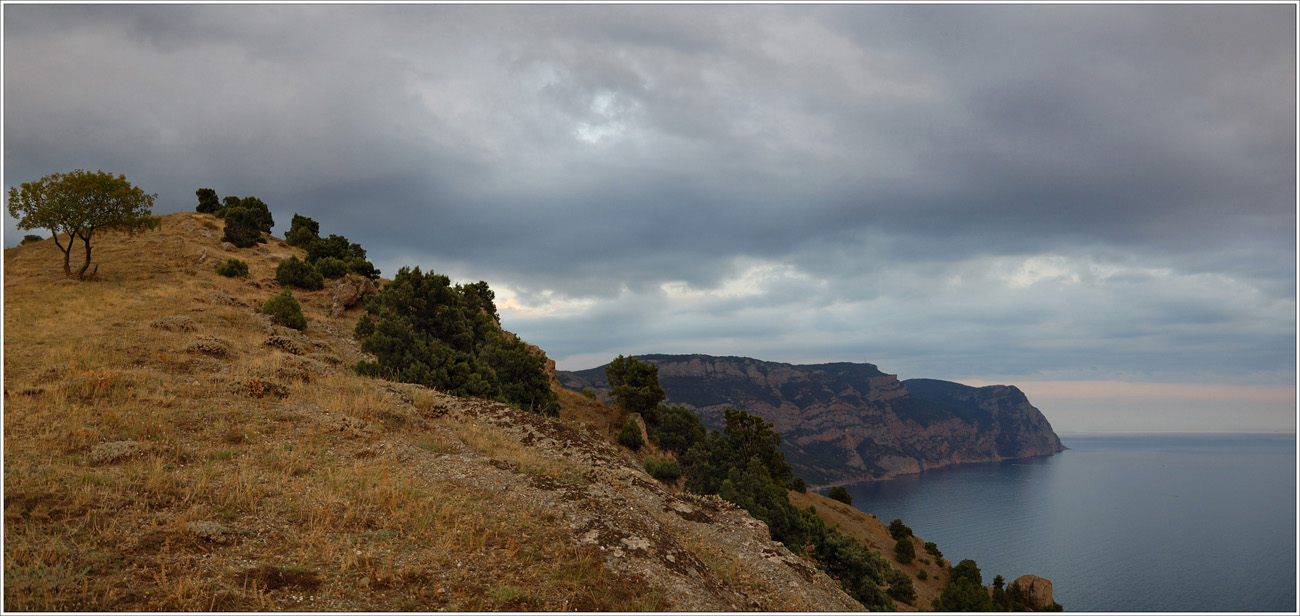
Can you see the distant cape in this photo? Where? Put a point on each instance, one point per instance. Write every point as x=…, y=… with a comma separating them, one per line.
x=846, y=422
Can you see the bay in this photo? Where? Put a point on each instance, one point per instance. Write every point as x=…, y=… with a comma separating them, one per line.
x=1153, y=522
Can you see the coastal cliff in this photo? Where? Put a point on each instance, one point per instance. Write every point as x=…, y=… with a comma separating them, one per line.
x=845, y=422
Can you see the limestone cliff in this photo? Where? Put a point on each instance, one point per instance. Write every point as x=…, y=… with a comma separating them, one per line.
x=844, y=422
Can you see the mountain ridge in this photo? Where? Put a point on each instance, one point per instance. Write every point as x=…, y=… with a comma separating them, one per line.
x=845, y=422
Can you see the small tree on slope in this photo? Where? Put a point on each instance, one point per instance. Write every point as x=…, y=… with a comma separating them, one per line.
x=80, y=204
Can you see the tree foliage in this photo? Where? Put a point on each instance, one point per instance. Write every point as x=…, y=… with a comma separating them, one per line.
x=904, y=551
x=898, y=530
x=293, y=272
x=840, y=493
x=964, y=591
x=209, y=203
x=285, y=310
x=79, y=204
x=742, y=465
x=302, y=231
x=424, y=330
x=630, y=436
x=635, y=385
x=242, y=228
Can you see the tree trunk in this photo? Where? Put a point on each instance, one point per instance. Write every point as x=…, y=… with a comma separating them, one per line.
x=67, y=253
x=81, y=274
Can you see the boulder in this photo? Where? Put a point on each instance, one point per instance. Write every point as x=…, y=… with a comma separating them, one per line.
x=347, y=291
x=1037, y=590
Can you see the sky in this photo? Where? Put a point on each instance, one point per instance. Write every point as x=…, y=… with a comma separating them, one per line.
x=1096, y=203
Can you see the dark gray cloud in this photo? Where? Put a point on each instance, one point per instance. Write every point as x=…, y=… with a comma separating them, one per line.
x=954, y=191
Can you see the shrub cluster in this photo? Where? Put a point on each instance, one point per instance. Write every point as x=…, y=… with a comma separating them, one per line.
x=630, y=436
x=246, y=219
x=664, y=470
x=285, y=310
x=233, y=267
x=898, y=530
x=904, y=551
x=743, y=466
x=424, y=330
x=332, y=256
x=840, y=493
x=293, y=272
x=30, y=239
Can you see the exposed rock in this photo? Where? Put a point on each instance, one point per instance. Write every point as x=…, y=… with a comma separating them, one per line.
x=207, y=529
x=278, y=257
x=203, y=255
x=284, y=344
x=1037, y=590
x=262, y=388
x=347, y=291
x=228, y=246
x=212, y=347
x=107, y=453
x=179, y=323
x=221, y=299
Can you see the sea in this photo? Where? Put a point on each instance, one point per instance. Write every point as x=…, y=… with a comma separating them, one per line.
x=1127, y=523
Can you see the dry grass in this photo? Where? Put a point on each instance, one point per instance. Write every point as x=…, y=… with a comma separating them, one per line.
x=313, y=520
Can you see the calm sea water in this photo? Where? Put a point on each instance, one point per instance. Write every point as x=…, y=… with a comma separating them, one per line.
x=1171, y=523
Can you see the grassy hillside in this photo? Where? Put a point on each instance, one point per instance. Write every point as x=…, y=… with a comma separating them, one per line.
x=168, y=448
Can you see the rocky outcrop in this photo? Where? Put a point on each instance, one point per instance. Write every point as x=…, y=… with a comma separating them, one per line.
x=845, y=422
x=347, y=291
x=1037, y=591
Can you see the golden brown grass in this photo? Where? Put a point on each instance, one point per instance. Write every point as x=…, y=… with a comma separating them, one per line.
x=315, y=520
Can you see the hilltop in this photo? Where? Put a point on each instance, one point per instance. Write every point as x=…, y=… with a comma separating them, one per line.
x=168, y=447
x=845, y=422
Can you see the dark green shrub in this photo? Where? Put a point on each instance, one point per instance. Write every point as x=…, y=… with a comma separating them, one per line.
x=241, y=227
x=904, y=551
x=208, y=202
x=285, y=310
x=293, y=272
x=840, y=493
x=675, y=428
x=233, y=268
x=964, y=591
x=900, y=586
x=425, y=330
x=30, y=239
x=799, y=485
x=663, y=470
x=922, y=575
x=899, y=530
x=261, y=213
x=227, y=204
x=302, y=231
x=635, y=385
x=933, y=549
x=630, y=436
x=330, y=267
x=589, y=393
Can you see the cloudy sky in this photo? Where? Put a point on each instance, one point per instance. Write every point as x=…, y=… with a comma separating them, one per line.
x=1095, y=203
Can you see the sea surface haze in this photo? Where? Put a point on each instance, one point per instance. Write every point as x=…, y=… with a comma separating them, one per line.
x=1155, y=522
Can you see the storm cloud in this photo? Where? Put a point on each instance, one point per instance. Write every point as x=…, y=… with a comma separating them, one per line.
x=1052, y=193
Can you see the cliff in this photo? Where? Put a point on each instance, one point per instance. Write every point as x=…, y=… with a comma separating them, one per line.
x=845, y=422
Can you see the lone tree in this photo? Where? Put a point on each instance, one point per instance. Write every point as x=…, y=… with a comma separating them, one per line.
x=79, y=204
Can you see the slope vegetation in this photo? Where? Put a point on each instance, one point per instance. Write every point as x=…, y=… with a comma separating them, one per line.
x=167, y=447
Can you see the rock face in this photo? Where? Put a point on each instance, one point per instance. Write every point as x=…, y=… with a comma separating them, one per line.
x=846, y=422
x=1038, y=591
